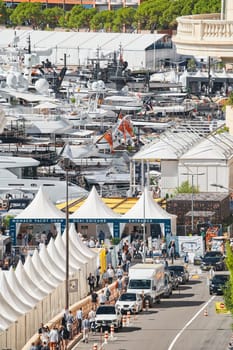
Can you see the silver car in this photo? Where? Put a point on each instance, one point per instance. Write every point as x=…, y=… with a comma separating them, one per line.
x=131, y=302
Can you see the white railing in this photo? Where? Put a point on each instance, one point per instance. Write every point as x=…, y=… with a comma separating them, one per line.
x=206, y=27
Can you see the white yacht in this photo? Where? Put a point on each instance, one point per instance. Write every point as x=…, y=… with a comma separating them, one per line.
x=18, y=173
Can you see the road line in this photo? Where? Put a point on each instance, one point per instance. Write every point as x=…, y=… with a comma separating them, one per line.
x=189, y=322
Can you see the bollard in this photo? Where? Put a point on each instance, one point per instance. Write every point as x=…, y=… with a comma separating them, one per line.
x=95, y=347
x=147, y=304
x=124, y=320
x=205, y=312
x=106, y=337
x=128, y=317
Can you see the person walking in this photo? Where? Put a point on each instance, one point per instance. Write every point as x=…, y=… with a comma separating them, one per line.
x=91, y=282
x=69, y=324
x=85, y=329
x=102, y=298
x=94, y=299
x=91, y=317
x=79, y=318
x=97, y=276
x=53, y=338
x=64, y=336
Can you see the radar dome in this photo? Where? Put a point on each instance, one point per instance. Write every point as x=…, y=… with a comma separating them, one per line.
x=11, y=80
x=94, y=85
x=101, y=84
x=42, y=85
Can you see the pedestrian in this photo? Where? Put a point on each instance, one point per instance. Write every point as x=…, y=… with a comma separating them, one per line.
x=64, y=336
x=85, y=329
x=91, y=317
x=111, y=274
x=79, y=318
x=69, y=324
x=107, y=293
x=94, y=299
x=102, y=298
x=97, y=276
x=44, y=346
x=119, y=285
x=91, y=282
x=33, y=346
x=105, y=277
x=53, y=338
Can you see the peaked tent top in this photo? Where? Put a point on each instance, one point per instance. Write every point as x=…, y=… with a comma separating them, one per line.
x=147, y=208
x=94, y=207
x=41, y=208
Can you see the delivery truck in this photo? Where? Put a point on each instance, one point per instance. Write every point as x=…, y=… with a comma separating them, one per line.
x=147, y=280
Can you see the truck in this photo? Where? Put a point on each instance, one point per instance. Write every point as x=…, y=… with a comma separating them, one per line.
x=148, y=280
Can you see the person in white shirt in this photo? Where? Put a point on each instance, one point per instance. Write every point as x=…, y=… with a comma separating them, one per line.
x=91, y=317
x=53, y=338
x=79, y=318
x=111, y=274
x=85, y=329
x=102, y=298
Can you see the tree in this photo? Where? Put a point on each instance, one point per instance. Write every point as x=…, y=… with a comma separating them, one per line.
x=52, y=16
x=30, y=13
x=4, y=16
x=228, y=291
x=124, y=19
x=85, y=17
x=70, y=20
x=185, y=187
x=203, y=6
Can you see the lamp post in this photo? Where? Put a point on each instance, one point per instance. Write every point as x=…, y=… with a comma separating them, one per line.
x=192, y=199
x=66, y=166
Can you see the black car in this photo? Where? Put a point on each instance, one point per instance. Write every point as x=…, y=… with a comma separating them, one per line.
x=181, y=272
x=213, y=260
x=218, y=283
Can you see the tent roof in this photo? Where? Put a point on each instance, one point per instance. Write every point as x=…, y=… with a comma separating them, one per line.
x=168, y=146
x=94, y=207
x=55, y=269
x=22, y=293
x=29, y=285
x=147, y=208
x=219, y=146
x=61, y=247
x=41, y=208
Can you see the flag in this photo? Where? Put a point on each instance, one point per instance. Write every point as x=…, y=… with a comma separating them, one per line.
x=126, y=127
x=108, y=137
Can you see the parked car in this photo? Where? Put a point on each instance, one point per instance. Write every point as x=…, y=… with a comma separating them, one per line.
x=130, y=302
x=106, y=315
x=213, y=260
x=181, y=271
x=218, y=283
x=174, y=279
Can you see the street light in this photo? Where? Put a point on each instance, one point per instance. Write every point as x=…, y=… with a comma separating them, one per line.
x=192, y=213
x=66, y=163
x=221, y=186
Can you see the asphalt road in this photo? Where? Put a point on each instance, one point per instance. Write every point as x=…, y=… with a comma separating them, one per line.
x=178, y=323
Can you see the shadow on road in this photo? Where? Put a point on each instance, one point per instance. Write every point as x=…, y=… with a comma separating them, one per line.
x=181, y=303
x=129, y=329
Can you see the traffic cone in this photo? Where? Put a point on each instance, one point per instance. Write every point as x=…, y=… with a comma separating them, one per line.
x=106, y=337
x=124, y=320
x=128, y=318
x=112, y=332
x=205, y=312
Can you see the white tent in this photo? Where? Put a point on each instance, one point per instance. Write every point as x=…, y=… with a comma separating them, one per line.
x=53, y=268
x=146, y=208
x=94, y=208
x=43, y=270
x=58, y=258
x=31, y=287
x=11, y=297
x=35, y=276
x=19, y=289
x=41, y=208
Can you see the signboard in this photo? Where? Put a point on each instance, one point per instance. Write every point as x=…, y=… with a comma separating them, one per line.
x=73, y=285
x=193, y=245
x=220, y=308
